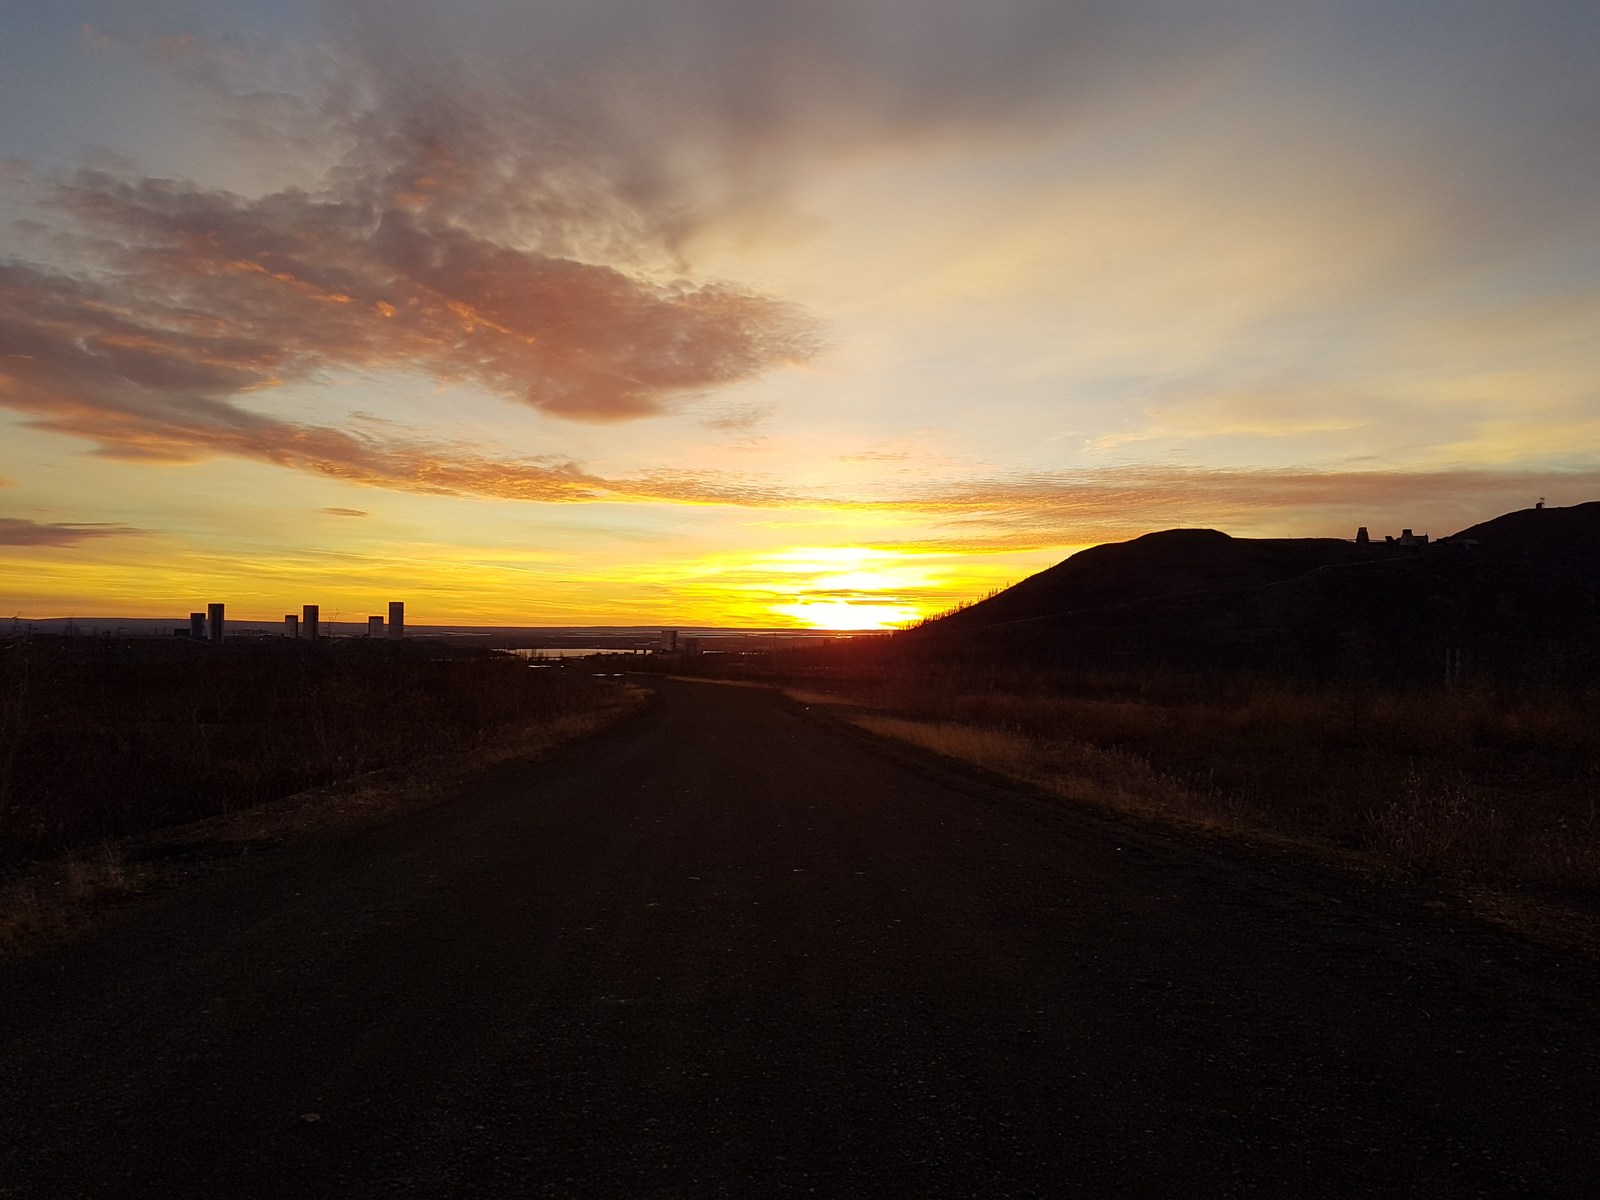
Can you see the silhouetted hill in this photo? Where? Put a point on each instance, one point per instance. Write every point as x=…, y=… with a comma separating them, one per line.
x=1562, y=541
x=1174, y=562
x=1524, y=598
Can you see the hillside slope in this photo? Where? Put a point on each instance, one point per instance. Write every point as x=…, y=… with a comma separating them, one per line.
x=1561, y=541
x=1174, y=562
x=1525, y=597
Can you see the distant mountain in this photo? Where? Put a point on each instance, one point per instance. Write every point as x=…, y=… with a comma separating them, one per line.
x=1520, y=589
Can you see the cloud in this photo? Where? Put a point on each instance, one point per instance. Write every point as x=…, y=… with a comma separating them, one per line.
x=18, y=531
x=500, y=199
x=1045, y=509
x=452, y=237
x=665, y=114
x=199, y=297
x=737, y=418
x=345, y=512
x=202, y=298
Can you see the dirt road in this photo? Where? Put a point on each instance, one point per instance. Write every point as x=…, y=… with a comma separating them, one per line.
x=725, y=950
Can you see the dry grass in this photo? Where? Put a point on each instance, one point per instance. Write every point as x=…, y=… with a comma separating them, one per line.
x=1076, y=770
x=821, y=699
x=100, y=739
x=49, y=898
x=42, y=900
x=744, y=683
x=1493, y=788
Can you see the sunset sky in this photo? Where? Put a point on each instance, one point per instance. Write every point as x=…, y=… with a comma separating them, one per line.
x=736, y=312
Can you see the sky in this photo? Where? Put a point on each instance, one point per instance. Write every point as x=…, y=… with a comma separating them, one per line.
x=811, y=313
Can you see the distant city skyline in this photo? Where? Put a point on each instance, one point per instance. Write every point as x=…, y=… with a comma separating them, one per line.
x=699, y=312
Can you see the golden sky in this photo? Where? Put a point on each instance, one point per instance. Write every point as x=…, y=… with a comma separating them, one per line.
x=822, y=314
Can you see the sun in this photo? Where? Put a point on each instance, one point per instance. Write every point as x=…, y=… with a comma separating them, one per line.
x=843, y=614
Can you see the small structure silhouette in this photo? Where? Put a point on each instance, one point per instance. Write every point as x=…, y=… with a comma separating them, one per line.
x=397, y=618
x=216, y=621
x=1407, y=539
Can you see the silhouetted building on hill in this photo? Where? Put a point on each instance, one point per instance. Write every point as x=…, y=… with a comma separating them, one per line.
x=1407, y=539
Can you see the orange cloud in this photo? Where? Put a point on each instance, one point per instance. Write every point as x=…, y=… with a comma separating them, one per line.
x=182, y=299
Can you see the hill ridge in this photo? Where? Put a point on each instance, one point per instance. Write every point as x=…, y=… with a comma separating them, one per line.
x=1512, y=588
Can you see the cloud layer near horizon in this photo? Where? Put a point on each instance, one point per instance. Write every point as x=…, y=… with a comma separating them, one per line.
x=18, y=531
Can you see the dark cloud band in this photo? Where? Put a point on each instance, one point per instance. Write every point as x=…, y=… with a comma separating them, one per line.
x=17, y=531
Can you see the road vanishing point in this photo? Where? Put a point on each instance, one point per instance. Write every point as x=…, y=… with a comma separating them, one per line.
x=730, y=949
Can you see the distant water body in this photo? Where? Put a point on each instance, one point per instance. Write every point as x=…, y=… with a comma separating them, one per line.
x=553, y=652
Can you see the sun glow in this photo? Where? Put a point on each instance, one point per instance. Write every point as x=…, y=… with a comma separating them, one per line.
x=844, y=614
x=848, y=587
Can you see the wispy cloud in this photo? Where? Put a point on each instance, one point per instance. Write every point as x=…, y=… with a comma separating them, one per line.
x=18, y=531
x=345, y=512
x=1083, y=507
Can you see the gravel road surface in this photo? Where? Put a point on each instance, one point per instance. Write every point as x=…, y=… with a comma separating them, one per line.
x=725, y=949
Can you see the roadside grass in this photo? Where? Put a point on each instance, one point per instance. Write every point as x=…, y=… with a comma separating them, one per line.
x=1075, y=770
x=1494, y=788
x=718, y=680
x=46, y=899
x=100, y=739
x=117, y=788
x=804, y=696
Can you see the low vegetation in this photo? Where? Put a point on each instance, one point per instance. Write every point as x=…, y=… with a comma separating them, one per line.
x=101, y=738
x=1495, y=784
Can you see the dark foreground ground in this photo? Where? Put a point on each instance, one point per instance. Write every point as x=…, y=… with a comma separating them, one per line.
x=726, y=951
